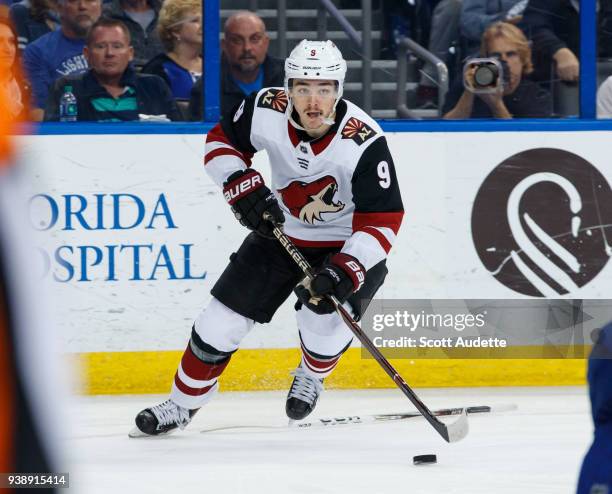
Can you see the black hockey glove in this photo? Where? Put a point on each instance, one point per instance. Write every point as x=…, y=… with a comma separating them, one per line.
x=342, y=275
x=249, y=197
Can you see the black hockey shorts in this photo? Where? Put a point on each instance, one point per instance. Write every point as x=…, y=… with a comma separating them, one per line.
x=261, y=275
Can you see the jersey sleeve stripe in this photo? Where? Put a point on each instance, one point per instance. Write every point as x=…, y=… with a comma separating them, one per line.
x=392, y=220
x=378, y=235
x=222, y=167
x=225, y=151
x=366, y=248
x=216, y=134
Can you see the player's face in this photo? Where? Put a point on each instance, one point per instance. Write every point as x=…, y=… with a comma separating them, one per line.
x=8, y=48
x=506, y=50
x=313, y=101
x=109, y=51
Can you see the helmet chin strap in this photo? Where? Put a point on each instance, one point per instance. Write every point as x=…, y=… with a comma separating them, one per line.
x=328, y=120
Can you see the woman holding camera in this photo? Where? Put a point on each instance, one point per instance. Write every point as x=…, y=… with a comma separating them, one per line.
x=506, y=92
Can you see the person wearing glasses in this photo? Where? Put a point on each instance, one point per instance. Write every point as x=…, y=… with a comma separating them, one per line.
x=111, y=90
x=246, y=66
x=517, y=97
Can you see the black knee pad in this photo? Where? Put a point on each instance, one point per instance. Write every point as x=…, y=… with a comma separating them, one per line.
x=205, y=352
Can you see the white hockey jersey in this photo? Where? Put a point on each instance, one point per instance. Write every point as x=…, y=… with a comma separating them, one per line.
x=337, y=190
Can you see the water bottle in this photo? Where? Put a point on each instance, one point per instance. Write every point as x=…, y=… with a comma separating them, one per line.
x=68, y=110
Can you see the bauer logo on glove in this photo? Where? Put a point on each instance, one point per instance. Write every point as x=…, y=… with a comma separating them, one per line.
x=249, y=198
x=341, y=276
x=240, y=187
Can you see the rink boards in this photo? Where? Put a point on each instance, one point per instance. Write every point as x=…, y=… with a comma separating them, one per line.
x=134, y=234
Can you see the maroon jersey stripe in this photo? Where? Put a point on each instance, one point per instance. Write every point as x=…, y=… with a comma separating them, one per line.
x=183, y=388
x=216, y=134
x=382, y=240
x=391, y=220
x=226, y=151
x=196, y=369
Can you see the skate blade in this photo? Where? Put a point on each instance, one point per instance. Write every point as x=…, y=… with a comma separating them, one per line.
x=136, y=432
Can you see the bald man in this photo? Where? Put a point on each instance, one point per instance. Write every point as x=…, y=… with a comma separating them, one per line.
x=246, y=66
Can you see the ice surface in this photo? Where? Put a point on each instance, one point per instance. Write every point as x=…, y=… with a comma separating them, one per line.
x=537, y=449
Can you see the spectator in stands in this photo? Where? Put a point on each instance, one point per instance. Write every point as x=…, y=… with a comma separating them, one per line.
x=399, y=19
x=111, y=90
x=478, y=15
x=196, y=101
x=553, y=26
x=604, y=99
x=604, y=29
x=15, y=91
x=245, y=65
x=520, y=98
x=140, y=16
x=60, y=53
x=443, y=33
x=33, y=19
x=180, y=30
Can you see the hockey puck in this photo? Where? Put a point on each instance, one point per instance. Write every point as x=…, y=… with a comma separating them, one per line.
x=424, y=459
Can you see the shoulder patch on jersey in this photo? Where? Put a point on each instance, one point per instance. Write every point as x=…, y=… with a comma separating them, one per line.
x=357, y=130
x=274, y=99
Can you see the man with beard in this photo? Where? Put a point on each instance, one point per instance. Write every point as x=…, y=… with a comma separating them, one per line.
x=246, y=66
x=60, y=53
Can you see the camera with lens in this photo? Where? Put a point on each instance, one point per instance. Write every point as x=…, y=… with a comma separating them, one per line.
x=486, y=75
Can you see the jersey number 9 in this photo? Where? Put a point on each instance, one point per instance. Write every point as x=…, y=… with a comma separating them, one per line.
x=384, y=174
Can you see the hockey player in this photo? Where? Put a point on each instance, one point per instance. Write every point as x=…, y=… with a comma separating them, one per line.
x=334, y=187
x=596, y=473
x=31, y=386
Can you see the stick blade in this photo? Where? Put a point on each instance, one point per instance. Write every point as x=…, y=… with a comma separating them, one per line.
x=458, y=429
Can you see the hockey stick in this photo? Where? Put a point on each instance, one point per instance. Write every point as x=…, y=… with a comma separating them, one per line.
x=368, y=419
x=450, y=432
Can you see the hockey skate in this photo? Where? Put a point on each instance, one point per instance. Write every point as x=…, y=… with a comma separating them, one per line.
x=303, y=394
x=162, y=419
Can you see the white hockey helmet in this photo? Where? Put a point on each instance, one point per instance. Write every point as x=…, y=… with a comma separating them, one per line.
x=316, y=60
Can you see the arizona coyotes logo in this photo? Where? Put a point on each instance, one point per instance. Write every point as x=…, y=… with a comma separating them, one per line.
x=275, y=99
x=357, y=130
x=308, y=201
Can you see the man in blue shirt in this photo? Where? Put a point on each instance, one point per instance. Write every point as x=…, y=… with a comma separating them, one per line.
x=246, y=66
x=60, y=53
